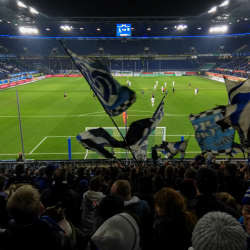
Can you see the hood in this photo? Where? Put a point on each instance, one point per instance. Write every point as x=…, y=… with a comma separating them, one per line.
x=134, y=205
x=93, y=196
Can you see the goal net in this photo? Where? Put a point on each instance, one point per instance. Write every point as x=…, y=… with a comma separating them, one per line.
x=156, y=137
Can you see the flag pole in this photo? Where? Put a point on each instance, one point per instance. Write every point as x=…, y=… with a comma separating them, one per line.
x=20, y=124
x=101, y=104
x=126, y=134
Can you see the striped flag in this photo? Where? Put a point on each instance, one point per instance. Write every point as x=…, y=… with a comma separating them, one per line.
x=238, y=117
x=170, y=149
x=208, y=133
x=115, y=98
x=140, y=130
x=238, y=92
x=96, y=140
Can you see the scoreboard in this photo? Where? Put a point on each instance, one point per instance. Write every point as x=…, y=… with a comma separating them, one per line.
x=123, y=29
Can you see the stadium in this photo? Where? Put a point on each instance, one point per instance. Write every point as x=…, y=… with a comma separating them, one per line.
x=124, y=125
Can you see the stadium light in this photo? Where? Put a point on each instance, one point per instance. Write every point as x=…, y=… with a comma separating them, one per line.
x=47, y=29
x=28, y=30
x=238, y=21
x=213, y=9
x=15, y=24
x=8, y=22
x=165, y=28
x=199, y=28
x=246, y=19
x=225, y=3
x=218, y=29
x=0, y=20
x=81, y=28
x=65, y=27
x=181, y=27
x=32, y=10
x=148, y=28
x=20, y=4
x=132, y=28
x=98, y=29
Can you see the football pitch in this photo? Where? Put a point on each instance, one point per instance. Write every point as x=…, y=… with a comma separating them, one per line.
x=48, y=119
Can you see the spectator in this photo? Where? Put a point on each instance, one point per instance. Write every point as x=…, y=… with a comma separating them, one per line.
x=82, y=189
x=136, y=206
x=112, y=236
x=48, y=180
x=190, y=174
x=4, y=216
x=27, y=229
x=173, y=224
x=93, y=195
x=200, y=159
x=216, y=231
x=155, y=156
x=158, y=182
x=41, y=174
x=187, y=190
x=246, y=215
x=170, y=177
x=79, y=177
x=206, y=184
x=61, y=192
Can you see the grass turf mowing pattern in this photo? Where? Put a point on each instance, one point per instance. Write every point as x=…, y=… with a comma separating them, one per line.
x=48, y=119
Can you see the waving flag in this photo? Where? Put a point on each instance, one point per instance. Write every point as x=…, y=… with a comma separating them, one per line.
x=208, y=133
x=170, y=149
x=238, y=117
x=140, y=130
x=96, y=140
x=238, y=92
x=115, y=98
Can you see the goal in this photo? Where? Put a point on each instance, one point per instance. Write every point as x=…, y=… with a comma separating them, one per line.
x=156, y=137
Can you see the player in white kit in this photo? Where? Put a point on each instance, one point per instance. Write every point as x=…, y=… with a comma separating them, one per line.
x=154, y=87
x=195, y=91
x=156, y=83
x=162, y=89
x=152, y=101
x=173, y=84
x=165, y=84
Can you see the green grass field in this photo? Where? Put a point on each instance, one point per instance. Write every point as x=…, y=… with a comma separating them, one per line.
x=48, y=119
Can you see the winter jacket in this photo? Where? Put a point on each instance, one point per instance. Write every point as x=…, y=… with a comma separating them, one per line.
x=61, y=192
x=88, y=209
x=202, y=205
x=43, y=234
x=46, y=183
x=19, y=179
x=171, y=233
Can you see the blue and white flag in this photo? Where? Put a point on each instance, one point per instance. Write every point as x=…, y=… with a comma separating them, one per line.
x=238, y=92
x=238, y=117
x=170, y=149
x=208, y=133
x=140, y=130
x=237, y=149
x=115, y=98
x=96, y=140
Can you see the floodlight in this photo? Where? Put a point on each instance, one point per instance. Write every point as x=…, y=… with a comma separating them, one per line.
x=246, y=19
x=218, y=29
x=224, y=3
x=148, y=28
x=20, y=4
x=98, y=29
x=165, y=28
x=32, y=10
x=132, y=28
x=238, y=20
x=181, y=27
x=47, y=29
x=213, y=9
x=0, y=20
x=65, y=27
x=199, y=28
x=15, y=24
x=81, y=28
x=28, y=30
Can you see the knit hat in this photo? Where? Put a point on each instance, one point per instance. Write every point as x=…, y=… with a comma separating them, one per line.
x=119, y=232
x=111, y=205
x=246, y=198
x=218, y=231
x=207, y=180
x=83, y=184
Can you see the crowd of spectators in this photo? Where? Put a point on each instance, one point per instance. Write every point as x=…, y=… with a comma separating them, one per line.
x=131, y=207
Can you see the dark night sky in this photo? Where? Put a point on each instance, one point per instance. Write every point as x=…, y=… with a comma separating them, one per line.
x=119, y=8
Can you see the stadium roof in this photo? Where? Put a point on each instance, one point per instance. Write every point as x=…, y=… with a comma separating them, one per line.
x=148, y=18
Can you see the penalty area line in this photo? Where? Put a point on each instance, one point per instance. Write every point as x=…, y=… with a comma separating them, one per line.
x=38, y=144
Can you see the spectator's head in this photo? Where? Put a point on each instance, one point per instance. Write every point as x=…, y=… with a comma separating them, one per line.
x=158, y=182
x=60, y=175
x=227, y=199
x=2, y=183
x=181, y=172
x=111, y=205
x=190, y=174
x=49, y=171
x=169, y=172
x=206, y=181
x=124, y=176
x=217, y=230
x=246, y=210
x=119, y=232
x=145, y=185
x=231, y=170
x=80, y=172
x=187, y=189
x=24, y=206
x=122, y=188
x=95, y=184
x=41, y=171
x=19, y=169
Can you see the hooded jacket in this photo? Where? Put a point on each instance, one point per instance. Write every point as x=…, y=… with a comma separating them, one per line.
x=43, y=234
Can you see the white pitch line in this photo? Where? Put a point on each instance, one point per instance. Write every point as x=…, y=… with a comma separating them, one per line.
x=38, y=145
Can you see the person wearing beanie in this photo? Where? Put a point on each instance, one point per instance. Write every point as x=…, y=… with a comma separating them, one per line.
x=119, y=232
x=206, y=184
x=218, y=231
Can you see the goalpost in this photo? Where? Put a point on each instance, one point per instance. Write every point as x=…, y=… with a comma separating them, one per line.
x=156, y=137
